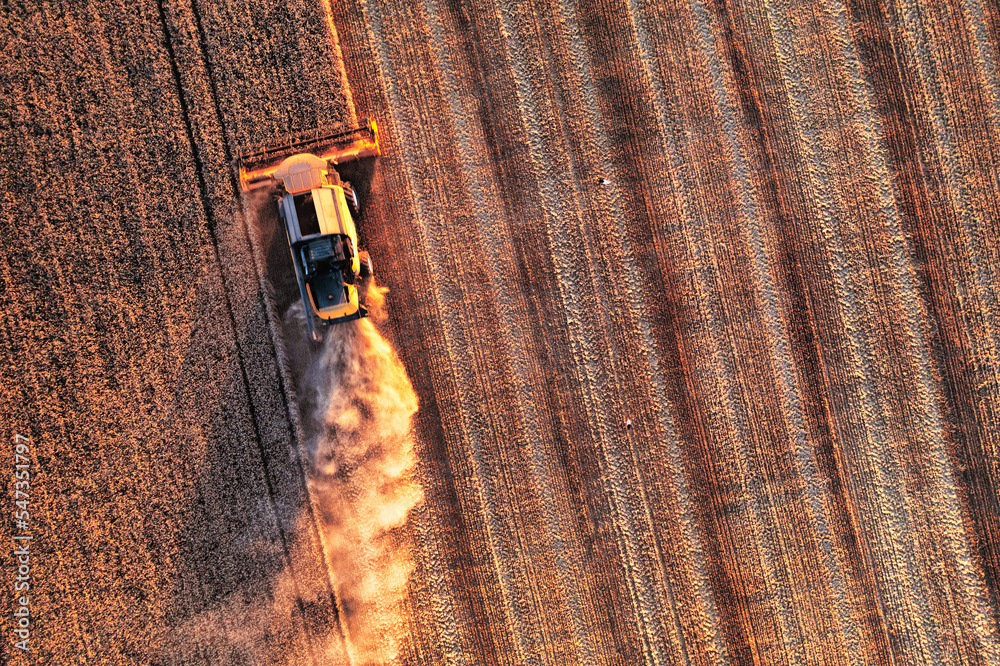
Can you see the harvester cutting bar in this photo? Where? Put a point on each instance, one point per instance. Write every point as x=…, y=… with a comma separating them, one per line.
x=257, y=167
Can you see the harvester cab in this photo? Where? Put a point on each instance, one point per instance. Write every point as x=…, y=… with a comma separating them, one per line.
x=319, y=212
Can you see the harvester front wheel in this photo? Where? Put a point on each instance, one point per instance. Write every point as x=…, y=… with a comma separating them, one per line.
x=352, y=200
x=366, y=265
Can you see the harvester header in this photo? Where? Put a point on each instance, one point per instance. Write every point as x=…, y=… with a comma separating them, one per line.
x=257, y=167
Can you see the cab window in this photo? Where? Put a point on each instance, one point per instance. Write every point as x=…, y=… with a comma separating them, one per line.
x=305, y=211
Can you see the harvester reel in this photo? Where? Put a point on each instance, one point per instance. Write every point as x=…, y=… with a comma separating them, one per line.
x=257, y=167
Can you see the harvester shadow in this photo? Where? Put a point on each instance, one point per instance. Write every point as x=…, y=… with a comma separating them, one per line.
x=359, y=173
x=235, y=599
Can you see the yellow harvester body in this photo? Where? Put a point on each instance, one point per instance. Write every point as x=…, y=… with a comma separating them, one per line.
x=318, y=211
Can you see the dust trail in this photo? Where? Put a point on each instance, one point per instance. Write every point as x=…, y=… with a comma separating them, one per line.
x=356, y=405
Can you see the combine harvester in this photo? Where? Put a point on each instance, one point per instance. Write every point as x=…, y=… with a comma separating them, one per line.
x=319, y=211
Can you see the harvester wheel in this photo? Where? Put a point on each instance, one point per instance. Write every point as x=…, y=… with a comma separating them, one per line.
x=352, y=200
x=366, y=265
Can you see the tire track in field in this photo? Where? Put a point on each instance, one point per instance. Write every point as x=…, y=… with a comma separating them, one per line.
x=574, y=96
x=504, y=133
x=863, y=300
x=582, y=297
x=965, y=596
x=494, y=246
x=487, y=420
x=646, y=170
x=871, y=476
x=903, y=277
x=718, y=379
x=693, y=609
x=523, y=179
x=784, y=457
x=972, y=186
x=764, y=104
x=928, y=216
x=821, y=568
x=958, y=156
x=966, y=191
x=976, y=24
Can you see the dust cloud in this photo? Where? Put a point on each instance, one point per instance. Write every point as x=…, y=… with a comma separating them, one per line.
x=356, y=404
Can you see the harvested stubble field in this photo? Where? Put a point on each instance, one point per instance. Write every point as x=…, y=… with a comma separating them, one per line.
x=698, y=301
